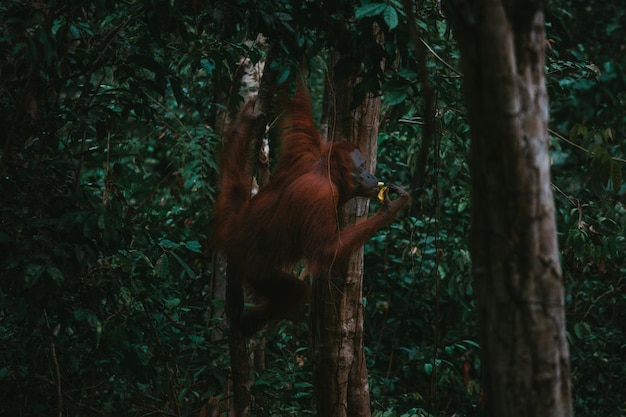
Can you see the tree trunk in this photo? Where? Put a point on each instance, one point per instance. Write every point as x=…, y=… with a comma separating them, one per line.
x=340, y=374
x=513, y=244
x=240, y=360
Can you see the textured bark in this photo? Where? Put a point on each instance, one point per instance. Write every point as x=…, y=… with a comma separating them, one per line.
x=218, y=292
x=513, y=244
x=241, y=373
x=240, y=359
x=340, y=374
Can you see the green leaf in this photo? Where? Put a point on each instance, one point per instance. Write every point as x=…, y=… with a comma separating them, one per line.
x=282, y=77
x=581, y=329
x=208, y=65
x=218, y=303
x=472, y=343
x=428, y=368
x=32, y=275
x=196, y=339
x=370, y=9
x=170, y=303
x=390, y=15
x=177, y=90
x=616, y=176
x=55, y=273
x=194, y=246
x=578, y=130
x=395, y=97
x=168, y=244
x=75, y=32
x=185, y=266
x=283, y=17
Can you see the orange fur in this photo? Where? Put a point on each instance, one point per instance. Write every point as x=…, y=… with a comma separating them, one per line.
x=294, y=216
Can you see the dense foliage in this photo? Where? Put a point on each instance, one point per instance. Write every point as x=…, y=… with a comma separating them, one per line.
x=110, y=117
x=587, y=87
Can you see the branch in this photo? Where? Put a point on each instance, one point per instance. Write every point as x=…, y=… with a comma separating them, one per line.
x=55, y=364
x=429, y=95
x=577, y=146
x=598, y=298
x=440, y=59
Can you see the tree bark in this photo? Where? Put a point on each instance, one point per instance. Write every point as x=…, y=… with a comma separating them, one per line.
x=241, y=370
x=340, y=373
x=513, y=243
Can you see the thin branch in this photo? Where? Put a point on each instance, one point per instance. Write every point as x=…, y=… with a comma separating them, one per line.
x=55, y=364
x=167, y=109
x=440, y=59
x=577, y=146
x=412, y=121
x=569, y=198
x=601, y=296
x=428, y=131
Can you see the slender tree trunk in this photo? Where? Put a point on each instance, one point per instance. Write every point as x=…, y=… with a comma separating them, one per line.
x=340, y=373
x=240, y=359
x=513, y=244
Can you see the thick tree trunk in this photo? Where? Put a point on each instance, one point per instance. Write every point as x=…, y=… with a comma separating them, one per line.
x=513, y=244
x=340, y=374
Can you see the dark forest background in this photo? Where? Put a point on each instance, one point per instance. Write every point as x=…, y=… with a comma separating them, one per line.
x=110, y=118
